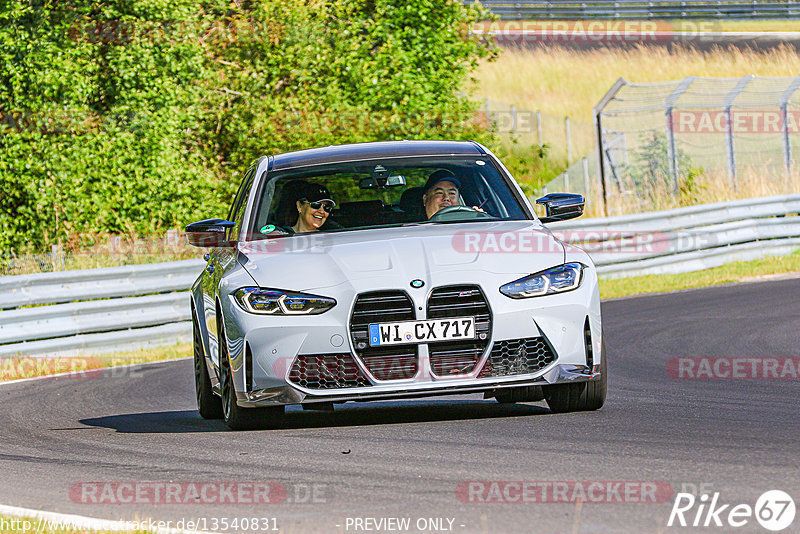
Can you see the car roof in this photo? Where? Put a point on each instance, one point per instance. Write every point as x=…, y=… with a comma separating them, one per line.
x=375, y=150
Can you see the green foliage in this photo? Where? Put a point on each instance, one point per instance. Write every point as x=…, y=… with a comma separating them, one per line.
x=651, y=176
x=531, y=165
x=131, y=116
x=691, y=188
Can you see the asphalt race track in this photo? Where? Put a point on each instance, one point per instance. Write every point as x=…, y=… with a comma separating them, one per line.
x=412, y=459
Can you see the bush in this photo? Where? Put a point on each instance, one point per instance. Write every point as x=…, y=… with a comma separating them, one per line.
x=132, y=116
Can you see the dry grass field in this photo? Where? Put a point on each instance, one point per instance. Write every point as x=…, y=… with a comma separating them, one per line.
x=569, y=83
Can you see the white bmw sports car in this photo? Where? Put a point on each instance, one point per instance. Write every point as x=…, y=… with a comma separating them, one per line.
x=391, y=270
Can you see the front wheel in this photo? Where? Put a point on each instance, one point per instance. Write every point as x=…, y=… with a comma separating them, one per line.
x=236, y=417
x=581, y=396
x=208, y=404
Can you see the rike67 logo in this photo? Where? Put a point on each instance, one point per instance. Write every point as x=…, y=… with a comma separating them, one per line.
x=774, y=510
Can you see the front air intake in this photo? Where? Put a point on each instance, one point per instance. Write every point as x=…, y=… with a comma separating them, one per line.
x=450, y=358
x=518, y=357
x=327, y=371
x=394, y=362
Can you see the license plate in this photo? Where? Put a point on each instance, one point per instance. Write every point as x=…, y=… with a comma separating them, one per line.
x=405, y=332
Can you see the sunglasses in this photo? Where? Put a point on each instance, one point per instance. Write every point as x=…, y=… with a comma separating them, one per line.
x=327, y=205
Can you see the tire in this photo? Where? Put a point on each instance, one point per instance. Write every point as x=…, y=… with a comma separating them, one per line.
x=519, y=394
x=237, y=417
x=581, y=396
x=208, y=404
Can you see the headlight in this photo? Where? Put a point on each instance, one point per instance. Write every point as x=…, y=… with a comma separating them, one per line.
x=556, y=280
x=278, y=302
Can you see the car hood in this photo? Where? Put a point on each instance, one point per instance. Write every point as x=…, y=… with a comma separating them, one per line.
x=387, y=257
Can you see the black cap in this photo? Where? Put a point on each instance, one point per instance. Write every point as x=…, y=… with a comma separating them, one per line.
x=315, y=192
x=442, y=175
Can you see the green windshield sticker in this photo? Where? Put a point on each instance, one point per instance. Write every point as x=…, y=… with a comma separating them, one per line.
x=267, y=228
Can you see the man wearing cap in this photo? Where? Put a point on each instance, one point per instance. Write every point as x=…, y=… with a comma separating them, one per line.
x=441, y=191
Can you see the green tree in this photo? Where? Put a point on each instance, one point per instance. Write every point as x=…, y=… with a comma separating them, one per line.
x=135, y=115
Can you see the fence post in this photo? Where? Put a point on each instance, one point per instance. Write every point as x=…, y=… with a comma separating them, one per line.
x=569, y=144
x=513, y=119
x=787, y=144
x=57, y=258
x=729, y=147
x=598, y=127
x=539, y=127
x=672, y=154
x=586, y=177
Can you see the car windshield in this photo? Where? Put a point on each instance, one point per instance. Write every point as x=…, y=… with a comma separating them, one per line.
x=380, y=193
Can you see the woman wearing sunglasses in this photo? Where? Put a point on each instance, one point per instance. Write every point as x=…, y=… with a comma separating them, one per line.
x=313, y=208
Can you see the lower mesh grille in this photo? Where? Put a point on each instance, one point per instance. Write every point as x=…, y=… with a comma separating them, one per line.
x=327, y=371
x=393, y=362
x=455, y=359
x=518, y=357
x=459, y=357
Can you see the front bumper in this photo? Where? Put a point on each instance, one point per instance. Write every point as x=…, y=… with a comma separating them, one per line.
x=282, y=395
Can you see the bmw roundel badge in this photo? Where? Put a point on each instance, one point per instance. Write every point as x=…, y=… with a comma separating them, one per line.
x=417, y=283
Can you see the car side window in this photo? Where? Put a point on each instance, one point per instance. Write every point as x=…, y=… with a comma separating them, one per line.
x=238, y=207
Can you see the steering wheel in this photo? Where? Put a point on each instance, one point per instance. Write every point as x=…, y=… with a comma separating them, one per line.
x=455, y=213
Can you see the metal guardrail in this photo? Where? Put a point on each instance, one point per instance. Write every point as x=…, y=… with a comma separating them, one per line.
x=121, y=308
x=637, y=9
x=688, y=239
x=107, y=282
x=111, y=309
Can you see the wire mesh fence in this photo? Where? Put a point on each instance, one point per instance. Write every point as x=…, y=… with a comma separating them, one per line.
x=110, y=251
x=642, y=10
x=683, y=142
x=565, y=139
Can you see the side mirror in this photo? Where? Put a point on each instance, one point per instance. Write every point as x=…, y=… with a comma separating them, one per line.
x=561, y=206
x=209, y=233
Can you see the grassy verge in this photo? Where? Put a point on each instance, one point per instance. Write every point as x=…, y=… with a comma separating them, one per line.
x=26, y=367
x=730, y=272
